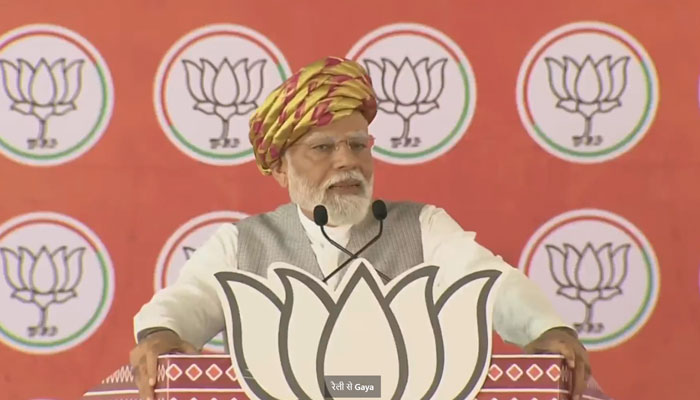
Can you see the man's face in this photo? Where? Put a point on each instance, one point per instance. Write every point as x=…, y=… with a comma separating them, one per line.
x=331, y=165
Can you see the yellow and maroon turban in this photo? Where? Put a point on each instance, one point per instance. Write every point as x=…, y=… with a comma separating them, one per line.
x=317, y=95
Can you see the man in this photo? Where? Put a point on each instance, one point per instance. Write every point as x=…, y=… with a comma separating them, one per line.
x=311, y=134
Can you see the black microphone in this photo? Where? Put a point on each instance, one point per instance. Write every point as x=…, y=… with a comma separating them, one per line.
x=379, y=212
x=321, y=219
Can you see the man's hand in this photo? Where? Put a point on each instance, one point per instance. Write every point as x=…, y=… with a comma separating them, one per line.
x=144, y=358
x=565, y=341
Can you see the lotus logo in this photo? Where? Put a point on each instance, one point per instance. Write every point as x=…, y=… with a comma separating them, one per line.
x=44, y=278
x=407, y=90
x=588, y=276
x=43, y=91
x=225, y=91
x=588, y=89
x=288, y=336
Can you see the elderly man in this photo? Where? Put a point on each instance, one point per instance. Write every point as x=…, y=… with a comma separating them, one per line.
x=311, y=134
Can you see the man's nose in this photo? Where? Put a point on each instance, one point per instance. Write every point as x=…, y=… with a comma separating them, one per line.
x=343, y=157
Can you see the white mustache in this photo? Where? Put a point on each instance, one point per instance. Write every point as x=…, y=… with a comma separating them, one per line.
x=344, y=176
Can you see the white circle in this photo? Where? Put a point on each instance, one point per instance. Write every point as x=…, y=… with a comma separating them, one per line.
x=625, y=313
x=197, y=127
x=558, y=125
x=450, y=116
x=93, y=107
x=96, y=271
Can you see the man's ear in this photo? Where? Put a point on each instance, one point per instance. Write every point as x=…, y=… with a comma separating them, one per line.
x=279, y=172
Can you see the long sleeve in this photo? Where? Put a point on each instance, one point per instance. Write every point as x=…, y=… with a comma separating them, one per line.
x=190, y=306
x=521, y=311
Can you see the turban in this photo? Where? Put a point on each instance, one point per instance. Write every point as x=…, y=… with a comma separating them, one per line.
x=318, y=94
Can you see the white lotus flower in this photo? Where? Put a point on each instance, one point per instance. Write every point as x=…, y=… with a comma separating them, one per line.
x=42, y=90
x=43, y=278
x=589, y=88
x=588, y=276
x=226, y=90
x=408, y=89
x=289, y=333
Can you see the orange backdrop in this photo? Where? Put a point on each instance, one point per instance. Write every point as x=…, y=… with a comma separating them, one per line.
x=134, y=188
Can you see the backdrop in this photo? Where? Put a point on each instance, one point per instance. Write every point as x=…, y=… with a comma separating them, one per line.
x=564, y=134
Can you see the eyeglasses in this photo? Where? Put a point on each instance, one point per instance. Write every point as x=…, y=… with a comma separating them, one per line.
x=323, y=148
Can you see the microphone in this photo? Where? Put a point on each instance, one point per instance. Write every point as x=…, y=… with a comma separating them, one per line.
x=379, y=212
x=321, y=219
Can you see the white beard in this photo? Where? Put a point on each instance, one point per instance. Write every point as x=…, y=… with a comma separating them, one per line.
x=342, y=209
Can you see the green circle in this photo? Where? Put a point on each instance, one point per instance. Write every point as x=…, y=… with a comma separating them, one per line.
x=446, y=139
x=81, y=331
x=616, y=146
x=245, y=153
x=81, y=143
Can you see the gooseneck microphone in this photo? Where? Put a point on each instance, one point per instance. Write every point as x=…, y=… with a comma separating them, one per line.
x=379, y=212
x=321, y=219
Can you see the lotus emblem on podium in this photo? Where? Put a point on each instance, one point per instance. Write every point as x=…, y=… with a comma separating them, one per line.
x=289, y=332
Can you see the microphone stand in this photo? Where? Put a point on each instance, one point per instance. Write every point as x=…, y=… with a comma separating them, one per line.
x=354, y=256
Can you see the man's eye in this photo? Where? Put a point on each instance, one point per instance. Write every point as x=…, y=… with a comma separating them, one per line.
x=322, y=147
x=358, y=146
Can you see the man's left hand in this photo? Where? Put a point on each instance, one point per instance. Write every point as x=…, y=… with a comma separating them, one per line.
x=565, y=341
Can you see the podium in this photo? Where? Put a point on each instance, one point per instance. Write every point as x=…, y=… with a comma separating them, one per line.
x=415, y=337
x=212, y=377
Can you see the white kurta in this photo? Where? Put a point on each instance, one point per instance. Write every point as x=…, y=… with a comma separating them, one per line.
x=191, y=307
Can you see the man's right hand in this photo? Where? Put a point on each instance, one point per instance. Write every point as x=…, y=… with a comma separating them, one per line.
x=144, y=358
